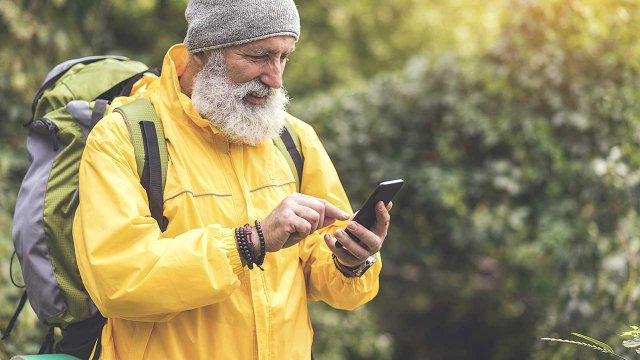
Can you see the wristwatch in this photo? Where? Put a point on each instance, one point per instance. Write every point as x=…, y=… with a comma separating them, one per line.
x=356, y=271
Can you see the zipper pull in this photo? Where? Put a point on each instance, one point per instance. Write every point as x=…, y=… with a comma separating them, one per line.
x=53, y=130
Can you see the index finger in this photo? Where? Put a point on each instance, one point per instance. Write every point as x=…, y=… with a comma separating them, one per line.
x=333, y=213
x=330, y=212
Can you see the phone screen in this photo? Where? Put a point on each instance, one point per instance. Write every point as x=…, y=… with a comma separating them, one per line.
x=366, y=216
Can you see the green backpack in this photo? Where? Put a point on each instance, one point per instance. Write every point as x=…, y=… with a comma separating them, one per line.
x=73, y=98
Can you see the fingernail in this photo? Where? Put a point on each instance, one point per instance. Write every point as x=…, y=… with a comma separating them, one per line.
x=345, y=215
x=351, y=226
x=338, y=234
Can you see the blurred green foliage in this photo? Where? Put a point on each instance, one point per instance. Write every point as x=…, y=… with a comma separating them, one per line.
x=519, y=214
x=514, y=124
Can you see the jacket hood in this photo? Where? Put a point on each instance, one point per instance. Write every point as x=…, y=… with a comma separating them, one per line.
x=175, y=62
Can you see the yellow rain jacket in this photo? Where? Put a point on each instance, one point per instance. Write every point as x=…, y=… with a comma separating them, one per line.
x=184, y=294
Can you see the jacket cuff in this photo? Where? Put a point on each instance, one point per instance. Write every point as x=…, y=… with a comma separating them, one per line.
x=227, y=242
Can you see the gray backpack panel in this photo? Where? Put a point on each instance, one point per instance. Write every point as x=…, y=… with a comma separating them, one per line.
x=28, y=226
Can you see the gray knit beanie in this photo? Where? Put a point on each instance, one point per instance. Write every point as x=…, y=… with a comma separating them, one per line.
x=215, y=24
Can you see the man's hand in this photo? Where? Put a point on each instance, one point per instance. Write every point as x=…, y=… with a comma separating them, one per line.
x=297, y=216
x=354, y=253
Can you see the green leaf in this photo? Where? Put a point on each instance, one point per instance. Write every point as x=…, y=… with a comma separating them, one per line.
x=635, y=332
x=594, y=341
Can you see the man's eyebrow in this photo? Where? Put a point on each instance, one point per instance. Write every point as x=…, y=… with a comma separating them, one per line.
x=265, y=51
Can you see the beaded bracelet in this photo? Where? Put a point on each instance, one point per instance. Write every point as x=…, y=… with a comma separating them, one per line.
x=260, y=260
x=240, y=243
x=245, y=244
x=248, y=231
x=244, y=249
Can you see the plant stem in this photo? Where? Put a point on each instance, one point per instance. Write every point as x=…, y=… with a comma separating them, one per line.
x=616, y=355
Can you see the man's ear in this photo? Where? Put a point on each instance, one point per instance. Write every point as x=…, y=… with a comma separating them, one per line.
x=199, y=58
x=195, y=63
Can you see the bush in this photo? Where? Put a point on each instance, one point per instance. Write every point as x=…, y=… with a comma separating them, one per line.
x=519, y=217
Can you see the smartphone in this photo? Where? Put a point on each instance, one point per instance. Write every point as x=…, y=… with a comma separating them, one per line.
x=385, y=191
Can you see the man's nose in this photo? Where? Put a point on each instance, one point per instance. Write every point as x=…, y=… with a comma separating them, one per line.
x=272, y=75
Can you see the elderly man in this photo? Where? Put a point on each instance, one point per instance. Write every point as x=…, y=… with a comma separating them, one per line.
x=188, y=292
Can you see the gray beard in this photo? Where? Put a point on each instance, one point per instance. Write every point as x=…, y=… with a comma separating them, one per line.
x=222, y=104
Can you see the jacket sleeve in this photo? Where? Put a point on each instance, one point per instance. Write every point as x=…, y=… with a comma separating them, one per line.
x=324, y=281
x=130, y=270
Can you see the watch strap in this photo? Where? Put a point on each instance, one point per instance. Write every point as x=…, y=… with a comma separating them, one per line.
x=356, y=271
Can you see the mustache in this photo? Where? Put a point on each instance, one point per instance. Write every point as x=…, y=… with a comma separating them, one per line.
x=257, y=88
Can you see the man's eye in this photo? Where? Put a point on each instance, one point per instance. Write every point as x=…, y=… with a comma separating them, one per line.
x=284, y=59
x=258, y=57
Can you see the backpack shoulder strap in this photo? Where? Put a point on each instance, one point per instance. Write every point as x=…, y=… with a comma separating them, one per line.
x=150, y=148
x=289, y=145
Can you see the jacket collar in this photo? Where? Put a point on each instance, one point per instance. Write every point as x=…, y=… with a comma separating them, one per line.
x=173, y=66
